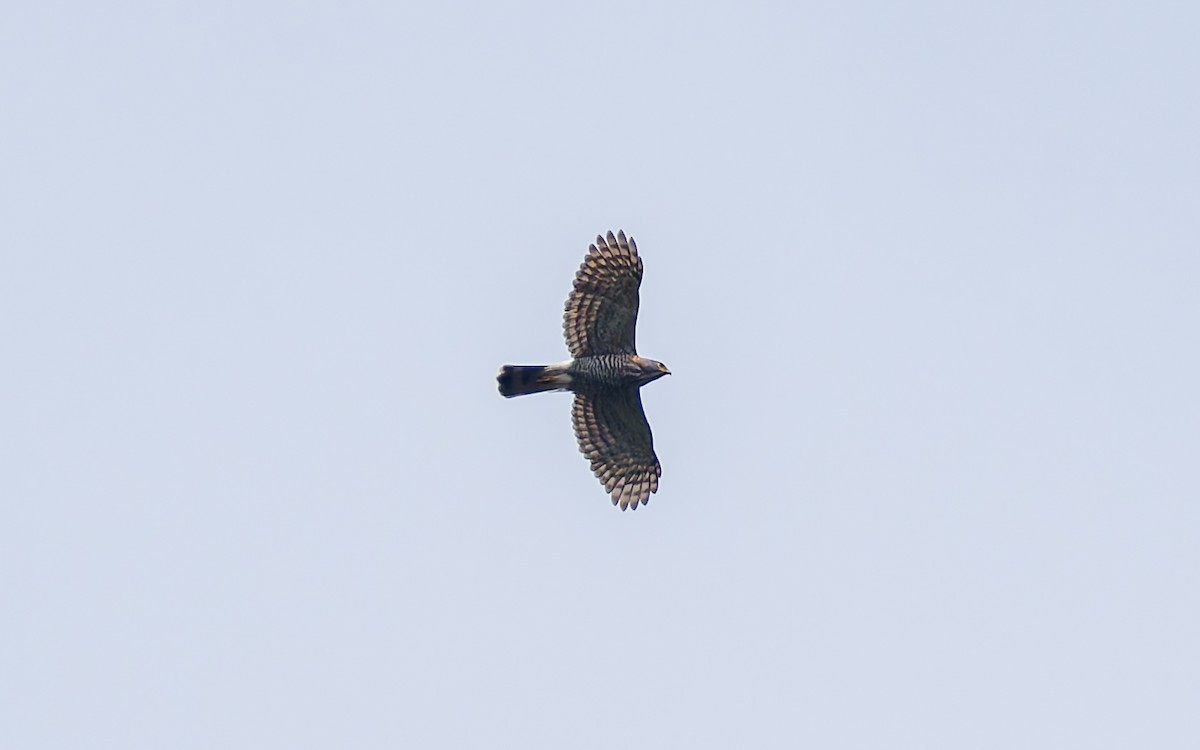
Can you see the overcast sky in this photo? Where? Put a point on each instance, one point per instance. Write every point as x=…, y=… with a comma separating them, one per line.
x=927, y=276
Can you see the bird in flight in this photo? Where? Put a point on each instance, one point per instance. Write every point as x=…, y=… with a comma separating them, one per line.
x=605, y=372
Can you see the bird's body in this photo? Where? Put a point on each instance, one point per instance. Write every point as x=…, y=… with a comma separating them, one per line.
x=604, y=372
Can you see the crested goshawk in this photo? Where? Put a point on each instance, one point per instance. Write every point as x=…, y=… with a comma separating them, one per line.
x=604, y=371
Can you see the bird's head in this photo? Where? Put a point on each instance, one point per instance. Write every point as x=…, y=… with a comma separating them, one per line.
x=651, y=369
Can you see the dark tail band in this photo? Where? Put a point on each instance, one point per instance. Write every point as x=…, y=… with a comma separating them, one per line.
x=519, y=380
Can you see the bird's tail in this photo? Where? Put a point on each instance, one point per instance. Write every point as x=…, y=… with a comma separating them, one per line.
x=518, y=380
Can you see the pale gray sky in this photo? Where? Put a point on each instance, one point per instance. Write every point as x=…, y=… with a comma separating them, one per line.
x=927, y=278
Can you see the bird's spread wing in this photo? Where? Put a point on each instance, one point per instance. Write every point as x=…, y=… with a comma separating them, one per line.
x=614, y=435
x=601, y=311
